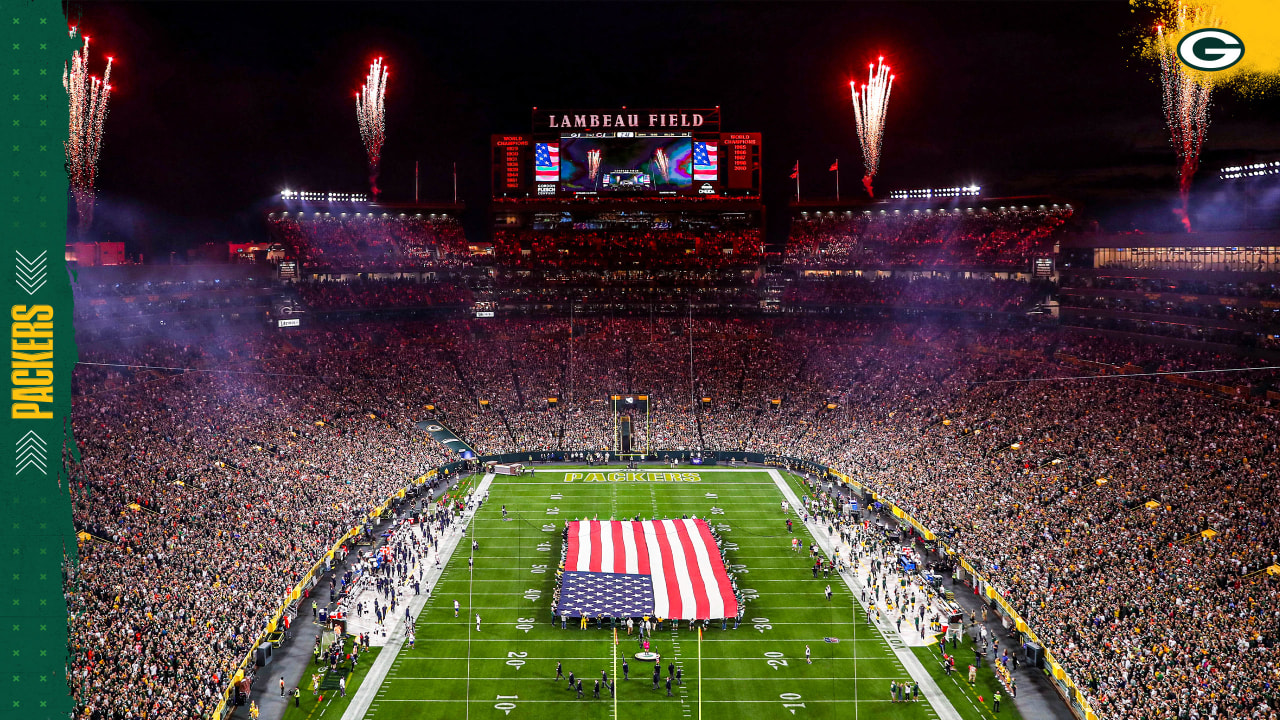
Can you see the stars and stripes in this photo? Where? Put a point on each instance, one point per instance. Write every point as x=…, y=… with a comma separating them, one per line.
x=687, y=576
x=546, y=162
x=588, y=594
x=704, y=161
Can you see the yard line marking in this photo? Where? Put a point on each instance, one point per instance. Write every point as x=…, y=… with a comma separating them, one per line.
x=816, y=638
x=597, y=657
x=684, y=688
x=663, y=700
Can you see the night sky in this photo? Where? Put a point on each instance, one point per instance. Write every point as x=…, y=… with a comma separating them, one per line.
x=218, y=106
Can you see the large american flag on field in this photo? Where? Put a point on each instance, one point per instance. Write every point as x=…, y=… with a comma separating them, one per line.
x=704, y=161
x=660, y=568
x=546, y=162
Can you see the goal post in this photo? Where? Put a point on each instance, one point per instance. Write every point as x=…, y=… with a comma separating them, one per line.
x=628, y=410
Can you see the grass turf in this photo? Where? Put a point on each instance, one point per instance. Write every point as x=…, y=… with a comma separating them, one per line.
x=757, y=671
x=329, y=703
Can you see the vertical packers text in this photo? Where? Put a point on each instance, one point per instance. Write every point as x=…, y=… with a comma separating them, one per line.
x=32, y=362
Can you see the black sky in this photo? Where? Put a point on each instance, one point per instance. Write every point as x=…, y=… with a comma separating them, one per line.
x=217, y=106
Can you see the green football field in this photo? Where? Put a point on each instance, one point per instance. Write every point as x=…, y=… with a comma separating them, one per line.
x=757, y=671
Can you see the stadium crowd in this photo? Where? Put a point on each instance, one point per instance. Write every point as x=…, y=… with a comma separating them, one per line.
x=381, y=294
x=701, y=247
x=1003, y=238
x=210, y=491
x=370, y=243
x=966, y=293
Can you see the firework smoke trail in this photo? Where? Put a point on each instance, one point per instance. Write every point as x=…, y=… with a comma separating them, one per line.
x=1186, y=104
x=660, y=158
x=593, y=164
x=869, y=109
x=371, y=114
x=87, y=99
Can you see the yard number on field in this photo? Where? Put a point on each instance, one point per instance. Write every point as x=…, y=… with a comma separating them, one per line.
x=516, y=662
x=505, y=706
x=775, y=660
x=791, y=703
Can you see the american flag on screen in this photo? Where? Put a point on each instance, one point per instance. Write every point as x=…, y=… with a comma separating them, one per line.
x=546, y=162
x=661, y=568
x=704, y=161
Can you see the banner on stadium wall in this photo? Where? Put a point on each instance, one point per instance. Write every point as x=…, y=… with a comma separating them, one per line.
x=447, y=438
x=641, y=119
x=926, y=533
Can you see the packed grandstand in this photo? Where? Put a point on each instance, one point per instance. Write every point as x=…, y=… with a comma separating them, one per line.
x=919, y=351
x=1136, y=605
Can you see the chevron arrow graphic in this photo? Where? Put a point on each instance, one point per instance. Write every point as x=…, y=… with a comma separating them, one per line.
x=32, y=273
x=32, y=451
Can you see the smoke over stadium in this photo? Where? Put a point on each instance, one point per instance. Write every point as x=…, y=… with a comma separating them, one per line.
x=569, y=360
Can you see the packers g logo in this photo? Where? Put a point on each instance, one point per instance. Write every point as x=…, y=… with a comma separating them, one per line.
x=1210, y=49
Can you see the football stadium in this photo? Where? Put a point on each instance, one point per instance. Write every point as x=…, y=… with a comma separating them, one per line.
x=643, y=415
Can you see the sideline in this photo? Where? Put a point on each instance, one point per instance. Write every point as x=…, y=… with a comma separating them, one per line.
x=372, y=683
x=930, y=689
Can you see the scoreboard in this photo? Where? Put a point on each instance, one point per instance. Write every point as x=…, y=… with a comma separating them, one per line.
x=742, y=160
x=512, y=164
x=622, y=152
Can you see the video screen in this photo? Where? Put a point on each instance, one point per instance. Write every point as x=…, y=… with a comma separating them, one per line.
x=626, y=165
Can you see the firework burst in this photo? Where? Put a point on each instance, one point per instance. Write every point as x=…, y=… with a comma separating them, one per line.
x=870, y=106
x=664, y=169
x=1186, y=99
x=371, y=114
x=87, y=98
x=593, y=164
